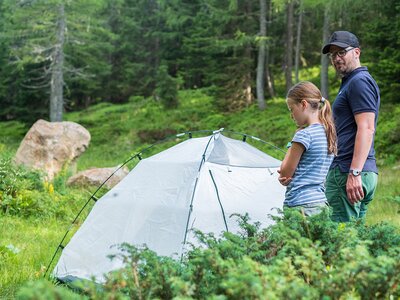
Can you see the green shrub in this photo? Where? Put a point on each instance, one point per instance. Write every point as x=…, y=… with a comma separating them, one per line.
x=296, y=258
x=15, y=184
x=24, y=193
x=44, y=290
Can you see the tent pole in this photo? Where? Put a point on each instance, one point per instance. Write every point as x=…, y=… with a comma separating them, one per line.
x=219, y=200
x=203, y=158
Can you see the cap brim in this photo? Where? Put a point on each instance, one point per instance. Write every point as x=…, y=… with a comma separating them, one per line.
x=326, y=48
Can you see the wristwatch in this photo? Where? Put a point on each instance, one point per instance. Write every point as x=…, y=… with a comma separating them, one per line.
x=355, y=172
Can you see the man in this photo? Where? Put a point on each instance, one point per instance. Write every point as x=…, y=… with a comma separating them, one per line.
x=353, y=175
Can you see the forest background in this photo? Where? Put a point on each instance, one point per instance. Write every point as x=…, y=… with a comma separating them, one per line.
x=134, y=71
x=61, y=55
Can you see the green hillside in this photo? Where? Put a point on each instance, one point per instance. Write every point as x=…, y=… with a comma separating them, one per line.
x=119, y=131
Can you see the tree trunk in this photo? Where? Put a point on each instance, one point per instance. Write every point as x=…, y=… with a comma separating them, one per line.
x=289, y=45
x=261, y=56
x=324, y=58
x=57, y=80
x=269, y=59
x=248, y=92
x=248, y=54
x=268, y=75
x=298, y=42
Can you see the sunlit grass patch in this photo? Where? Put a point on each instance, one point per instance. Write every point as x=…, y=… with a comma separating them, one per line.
x=386, y=204
x=33, y=242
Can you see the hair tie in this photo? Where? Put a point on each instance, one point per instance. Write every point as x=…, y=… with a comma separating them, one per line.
x=322, y=100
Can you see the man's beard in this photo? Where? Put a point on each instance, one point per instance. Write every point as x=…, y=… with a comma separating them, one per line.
x=343, y=73
x=340, y=74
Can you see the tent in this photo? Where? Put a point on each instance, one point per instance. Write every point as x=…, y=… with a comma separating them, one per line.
x=196, y=184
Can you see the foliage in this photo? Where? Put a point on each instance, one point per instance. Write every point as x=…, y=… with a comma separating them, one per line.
x=115, y=48
x=166, y=88
x=24, y=193
x=388, y=134
x=43, y=289
x=381, y=38
x=296, y=258
x=11, y=134
x=222, y=55
x=32, y=43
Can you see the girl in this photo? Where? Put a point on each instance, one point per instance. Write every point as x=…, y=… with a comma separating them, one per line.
x=311, y=150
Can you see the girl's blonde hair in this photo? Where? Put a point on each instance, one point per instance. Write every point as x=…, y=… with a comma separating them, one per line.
x=306, y=90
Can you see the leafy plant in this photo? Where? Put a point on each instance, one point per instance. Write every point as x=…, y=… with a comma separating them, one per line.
x=24, y=193
x=43, y=289
x=296, y=258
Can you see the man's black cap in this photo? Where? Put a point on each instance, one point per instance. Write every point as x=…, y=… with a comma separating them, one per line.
x=342, y=39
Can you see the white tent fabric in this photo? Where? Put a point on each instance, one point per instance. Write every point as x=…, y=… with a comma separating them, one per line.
x=198, y=183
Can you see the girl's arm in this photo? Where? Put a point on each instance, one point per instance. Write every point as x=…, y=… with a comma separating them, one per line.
x=291, y=160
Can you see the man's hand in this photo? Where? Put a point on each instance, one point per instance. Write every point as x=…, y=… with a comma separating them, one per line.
x=354, y=189
x=284, y=180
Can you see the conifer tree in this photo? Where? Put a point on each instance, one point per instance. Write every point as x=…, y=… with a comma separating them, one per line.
x=39, y=32
x=166, y=88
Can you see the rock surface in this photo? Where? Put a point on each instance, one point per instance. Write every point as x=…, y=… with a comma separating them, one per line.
x=50, y=146
x=97, y=176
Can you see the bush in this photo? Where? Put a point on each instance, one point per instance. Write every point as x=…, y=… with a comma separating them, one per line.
x=47, y=291
x=15, y=184
x=24, y=193
x=296, y=258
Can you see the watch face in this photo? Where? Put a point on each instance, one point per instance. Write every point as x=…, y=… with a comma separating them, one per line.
x=355, y=172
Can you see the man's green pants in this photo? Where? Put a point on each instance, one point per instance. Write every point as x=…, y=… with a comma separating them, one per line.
x=342, y=209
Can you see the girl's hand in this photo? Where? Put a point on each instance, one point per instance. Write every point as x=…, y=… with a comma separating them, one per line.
x=284, y=180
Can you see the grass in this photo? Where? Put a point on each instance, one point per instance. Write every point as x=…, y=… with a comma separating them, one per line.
x=119, y=131
x=36, y=241
x=386, y=205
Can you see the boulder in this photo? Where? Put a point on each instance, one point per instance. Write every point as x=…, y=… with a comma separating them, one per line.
x=49, y=146
x=96, y=176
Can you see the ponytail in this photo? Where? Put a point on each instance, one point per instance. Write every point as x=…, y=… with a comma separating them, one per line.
x=325, y=116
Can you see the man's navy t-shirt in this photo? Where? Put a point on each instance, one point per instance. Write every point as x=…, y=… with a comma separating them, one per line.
x=358, y=93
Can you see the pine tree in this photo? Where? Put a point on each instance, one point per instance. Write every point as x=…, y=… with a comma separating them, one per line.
x=39, y=33
x=166, y=88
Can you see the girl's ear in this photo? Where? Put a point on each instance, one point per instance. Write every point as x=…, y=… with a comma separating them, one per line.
x=304, y=103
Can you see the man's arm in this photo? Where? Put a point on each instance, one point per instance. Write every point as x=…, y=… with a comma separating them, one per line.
x=365, y=133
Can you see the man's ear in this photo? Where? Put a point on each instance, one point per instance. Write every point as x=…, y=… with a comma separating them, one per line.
x=358, y=52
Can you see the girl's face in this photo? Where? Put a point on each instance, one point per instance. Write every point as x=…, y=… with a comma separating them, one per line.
x=297, y=112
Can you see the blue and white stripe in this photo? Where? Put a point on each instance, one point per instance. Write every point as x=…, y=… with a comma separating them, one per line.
x=308, y=183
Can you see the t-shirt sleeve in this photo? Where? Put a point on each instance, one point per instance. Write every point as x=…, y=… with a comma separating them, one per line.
x=363, y=96
x=303, y=137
